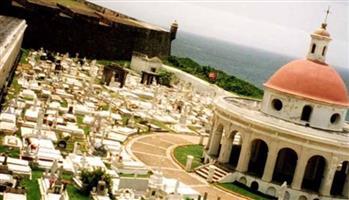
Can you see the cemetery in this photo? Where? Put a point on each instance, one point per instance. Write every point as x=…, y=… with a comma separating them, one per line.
x=67, y=115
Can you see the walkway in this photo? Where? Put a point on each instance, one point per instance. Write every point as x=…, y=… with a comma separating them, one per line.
x=154, y=150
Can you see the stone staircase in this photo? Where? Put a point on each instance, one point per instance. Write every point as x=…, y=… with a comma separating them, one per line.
x=219, y=173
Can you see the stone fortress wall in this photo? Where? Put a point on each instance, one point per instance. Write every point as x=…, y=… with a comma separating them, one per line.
x=96, y=33
x=11, y=37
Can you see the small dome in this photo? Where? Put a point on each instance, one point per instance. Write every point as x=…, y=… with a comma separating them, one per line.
x=322, y=32
x=310, y=80
x=175, y=23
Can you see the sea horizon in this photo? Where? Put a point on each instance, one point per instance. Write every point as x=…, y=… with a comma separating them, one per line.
x=190, y=43
x=247, y=63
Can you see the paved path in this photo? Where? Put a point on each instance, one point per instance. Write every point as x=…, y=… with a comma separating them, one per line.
x=154, y=150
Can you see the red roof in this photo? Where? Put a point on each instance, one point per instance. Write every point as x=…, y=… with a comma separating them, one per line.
x=311, y=80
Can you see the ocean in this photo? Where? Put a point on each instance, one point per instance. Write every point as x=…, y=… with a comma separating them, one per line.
x=250, y=64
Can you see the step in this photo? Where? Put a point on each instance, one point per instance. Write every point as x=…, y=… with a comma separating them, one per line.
x=217, y=175
x=220, y=173
x=204, y=169
x=203, y=175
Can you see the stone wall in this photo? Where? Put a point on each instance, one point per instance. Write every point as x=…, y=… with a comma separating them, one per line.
x=198, y=84
x=10, y=55
x=56, y=30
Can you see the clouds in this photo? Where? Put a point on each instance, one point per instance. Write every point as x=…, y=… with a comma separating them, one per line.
x=281, y=27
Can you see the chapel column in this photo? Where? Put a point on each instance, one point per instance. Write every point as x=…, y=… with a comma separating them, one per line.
x=244, y=154
x=211, y=135
x=226, y=150
x=270, y=163
x=300, y=170
x=215, y=141
x=326, y=183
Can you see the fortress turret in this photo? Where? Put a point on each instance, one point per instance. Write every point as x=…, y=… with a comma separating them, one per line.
x=174, y=28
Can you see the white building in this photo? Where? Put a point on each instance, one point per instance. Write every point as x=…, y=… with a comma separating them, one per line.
x=141, y=62
x=297, y=135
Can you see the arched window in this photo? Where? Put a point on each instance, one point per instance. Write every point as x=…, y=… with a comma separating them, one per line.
x=258, y=157
x=323, y=51
x=314, y=173
x=338, y=183
x=254, y=185
x=277, y=104
x=285, y=166
x=313, y=48
x=306, y=113
x=335, y=118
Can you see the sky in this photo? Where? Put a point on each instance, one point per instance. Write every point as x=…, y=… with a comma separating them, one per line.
x=279, y=26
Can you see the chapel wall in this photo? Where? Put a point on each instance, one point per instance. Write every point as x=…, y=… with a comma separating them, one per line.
x=292, y=109
x=232, y=121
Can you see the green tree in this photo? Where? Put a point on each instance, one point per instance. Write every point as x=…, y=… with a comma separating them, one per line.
x=90, y=180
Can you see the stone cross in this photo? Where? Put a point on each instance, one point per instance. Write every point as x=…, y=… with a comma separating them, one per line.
x=39, y=122
x=54, y=168
x=76, y=148
x=184, y=115
x=83, y=161
x=282, y=191
x=176, y=187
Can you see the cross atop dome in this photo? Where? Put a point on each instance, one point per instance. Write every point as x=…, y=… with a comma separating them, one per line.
x=320, y=39
x=324, y=24
x=326, y=16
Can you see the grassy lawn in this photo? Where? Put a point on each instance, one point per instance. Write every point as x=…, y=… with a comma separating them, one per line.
x=64, y=103
x=138, y=175
x=85, y=127
x=11, y=152
x=32, y=186
x=162, y=125
x=195, y=150
x=122, y=63
x=75, y=194
x=33, y=191
x=238, y=189
x=15, y=88
x=25, y=53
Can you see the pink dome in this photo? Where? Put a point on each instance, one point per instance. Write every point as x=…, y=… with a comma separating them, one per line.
x=310, y=80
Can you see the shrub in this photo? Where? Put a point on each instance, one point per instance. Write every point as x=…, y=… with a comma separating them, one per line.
x=225, y=81
x=165, y=77
x=90, y=180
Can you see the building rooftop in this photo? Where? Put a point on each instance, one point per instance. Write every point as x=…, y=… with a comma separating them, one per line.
x=250, y=110
x=90, y=10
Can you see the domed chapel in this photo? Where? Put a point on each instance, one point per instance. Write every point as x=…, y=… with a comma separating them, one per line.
x=296, y=139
